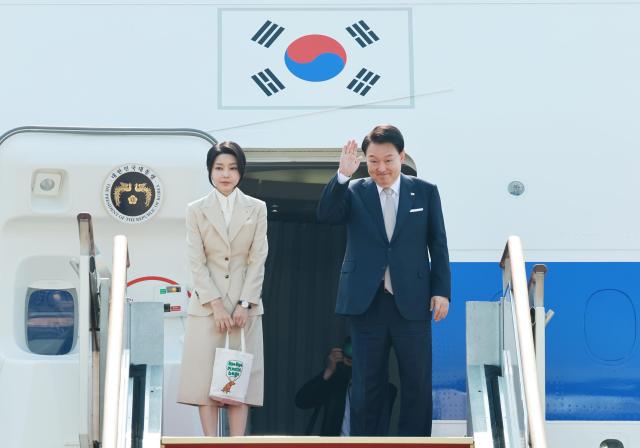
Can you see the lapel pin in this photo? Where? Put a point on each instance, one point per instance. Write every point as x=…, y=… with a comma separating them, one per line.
x=412, y=193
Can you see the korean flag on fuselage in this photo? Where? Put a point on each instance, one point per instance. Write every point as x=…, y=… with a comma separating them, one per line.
x=315, y=58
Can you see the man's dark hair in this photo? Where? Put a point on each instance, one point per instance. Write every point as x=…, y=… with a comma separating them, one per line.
x=384, y=133
x=226, y=147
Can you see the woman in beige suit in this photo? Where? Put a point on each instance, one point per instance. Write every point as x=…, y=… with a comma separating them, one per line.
x=227, y=250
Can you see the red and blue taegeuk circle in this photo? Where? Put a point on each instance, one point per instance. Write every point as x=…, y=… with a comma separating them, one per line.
x=315, y=57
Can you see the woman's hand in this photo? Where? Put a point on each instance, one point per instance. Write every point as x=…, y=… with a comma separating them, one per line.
x=240, y=315
x=221, y=316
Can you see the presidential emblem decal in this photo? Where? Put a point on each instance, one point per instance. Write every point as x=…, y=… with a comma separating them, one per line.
x=132, y=193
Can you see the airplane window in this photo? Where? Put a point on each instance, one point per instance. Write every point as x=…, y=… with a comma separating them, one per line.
x=611, y=443
x=50, y=321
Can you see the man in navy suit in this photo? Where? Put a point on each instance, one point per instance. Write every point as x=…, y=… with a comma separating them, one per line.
x=395, y=278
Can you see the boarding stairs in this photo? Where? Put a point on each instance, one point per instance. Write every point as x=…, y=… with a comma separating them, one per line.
x=505, y=343
x=122, y=368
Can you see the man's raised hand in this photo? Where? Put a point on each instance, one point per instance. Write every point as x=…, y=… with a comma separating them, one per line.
x=349, y=159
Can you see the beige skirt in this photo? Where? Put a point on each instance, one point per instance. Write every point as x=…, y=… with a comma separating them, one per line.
x=200, y=342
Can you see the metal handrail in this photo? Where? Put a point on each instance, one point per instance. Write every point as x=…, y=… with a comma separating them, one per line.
x=85, y=229
x=536, y=305
x=88, y=339
x=514, y=274
x=113, y=382
x=536, y=285
x=108, y=131
x=88, y=249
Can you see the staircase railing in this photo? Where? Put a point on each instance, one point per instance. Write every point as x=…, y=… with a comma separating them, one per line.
x=515, y=282
x=117, y=363
x=539, y=319
x=88, y=335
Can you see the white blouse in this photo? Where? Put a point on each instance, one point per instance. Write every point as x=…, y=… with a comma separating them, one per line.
x=226, y=204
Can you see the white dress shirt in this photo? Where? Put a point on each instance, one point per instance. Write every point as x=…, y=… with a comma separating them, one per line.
x=383, y=197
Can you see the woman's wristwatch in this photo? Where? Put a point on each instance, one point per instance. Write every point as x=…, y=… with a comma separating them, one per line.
x=245, y=304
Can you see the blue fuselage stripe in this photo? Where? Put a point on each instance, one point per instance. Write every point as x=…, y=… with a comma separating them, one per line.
x=592, y=354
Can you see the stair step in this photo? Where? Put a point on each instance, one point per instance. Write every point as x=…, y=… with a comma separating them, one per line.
x=317, y=442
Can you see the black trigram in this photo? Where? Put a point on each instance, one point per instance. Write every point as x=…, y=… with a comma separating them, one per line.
x=365, y=78
x=362, y=33
x=267, y=33
x=268, y=82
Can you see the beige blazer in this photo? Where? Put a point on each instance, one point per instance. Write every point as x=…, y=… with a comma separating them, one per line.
x=227, y=264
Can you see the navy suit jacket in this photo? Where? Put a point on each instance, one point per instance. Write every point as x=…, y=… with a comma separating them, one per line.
x=417, y=255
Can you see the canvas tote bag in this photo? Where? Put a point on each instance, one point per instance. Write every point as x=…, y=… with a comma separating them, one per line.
x=231, y=372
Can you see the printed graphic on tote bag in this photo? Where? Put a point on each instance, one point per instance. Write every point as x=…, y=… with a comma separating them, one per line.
x=234, y=371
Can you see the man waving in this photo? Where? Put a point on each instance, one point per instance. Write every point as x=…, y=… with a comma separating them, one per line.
x=394, y=279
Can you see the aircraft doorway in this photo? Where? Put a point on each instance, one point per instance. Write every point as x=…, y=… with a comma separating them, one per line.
x=301, y=279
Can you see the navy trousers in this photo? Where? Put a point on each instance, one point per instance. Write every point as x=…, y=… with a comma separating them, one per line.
x=373, y=333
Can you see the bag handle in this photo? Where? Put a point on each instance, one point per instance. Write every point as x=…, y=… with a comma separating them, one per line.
x=242, y=345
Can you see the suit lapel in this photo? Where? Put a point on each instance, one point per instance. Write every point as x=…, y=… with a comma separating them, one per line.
x=213, y=212
x=372, y=202
x=241, y=212
x=404, y=204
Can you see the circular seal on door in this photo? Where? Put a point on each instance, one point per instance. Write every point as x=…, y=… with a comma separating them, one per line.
x=132, y=193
